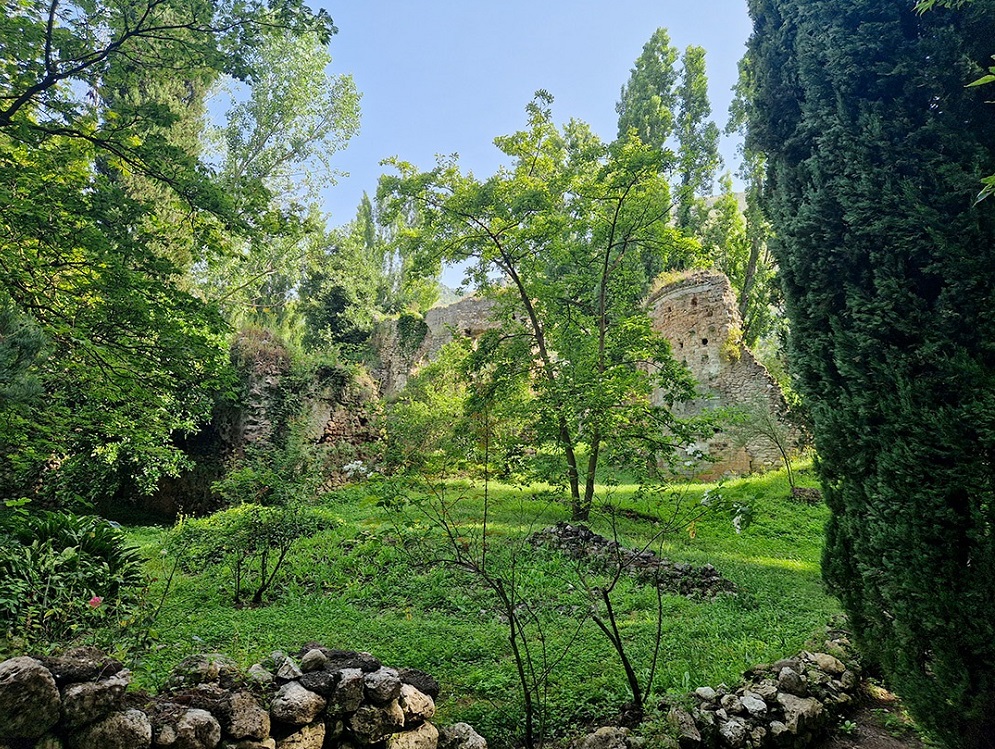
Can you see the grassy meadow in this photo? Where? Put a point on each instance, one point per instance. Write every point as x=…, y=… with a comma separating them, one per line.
x=379, y=581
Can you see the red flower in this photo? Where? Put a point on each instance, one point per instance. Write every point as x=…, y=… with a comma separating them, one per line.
x=96, y=601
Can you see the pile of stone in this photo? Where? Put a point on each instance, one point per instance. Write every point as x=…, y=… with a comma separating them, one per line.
x=788, y=704
x=604, y=554
x=323, y=698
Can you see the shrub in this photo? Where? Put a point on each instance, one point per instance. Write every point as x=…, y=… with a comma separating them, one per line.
x=62, y=575
x=250, y=541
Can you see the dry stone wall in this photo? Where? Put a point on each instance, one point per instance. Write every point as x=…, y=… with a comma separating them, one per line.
x=323, y=699
x=698, y=315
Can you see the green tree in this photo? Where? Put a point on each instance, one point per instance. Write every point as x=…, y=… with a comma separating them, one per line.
x=94, y=163
x=562, y=238
x=697, y=137
x=281, y=137
x=875, y=149
x=357, y=277
x=649, y=98
x=747, y=259
x=667, y=106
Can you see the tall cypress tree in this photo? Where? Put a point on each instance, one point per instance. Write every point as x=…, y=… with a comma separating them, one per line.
x=876, y=149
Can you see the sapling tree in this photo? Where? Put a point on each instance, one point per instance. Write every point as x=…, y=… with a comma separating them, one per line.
x=563, y=238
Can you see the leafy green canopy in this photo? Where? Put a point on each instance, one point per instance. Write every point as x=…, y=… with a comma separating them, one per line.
x=875, y=151
x=563, y=238
x=105, y=205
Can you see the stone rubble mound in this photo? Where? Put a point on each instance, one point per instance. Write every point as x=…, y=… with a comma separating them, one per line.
x=580, y=542
x=788, y=704
x=322, y=699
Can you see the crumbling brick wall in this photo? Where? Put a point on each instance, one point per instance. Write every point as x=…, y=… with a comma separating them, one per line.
x=698, y=314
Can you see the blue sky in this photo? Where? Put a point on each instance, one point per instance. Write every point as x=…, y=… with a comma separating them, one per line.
x=447, y=77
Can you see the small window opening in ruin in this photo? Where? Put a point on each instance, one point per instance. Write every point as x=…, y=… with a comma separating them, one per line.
x=467, y=332
x=704, y=341
x=694, y=301
x=680, y=344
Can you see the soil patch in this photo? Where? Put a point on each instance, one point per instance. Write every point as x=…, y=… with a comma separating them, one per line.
x=879, y=722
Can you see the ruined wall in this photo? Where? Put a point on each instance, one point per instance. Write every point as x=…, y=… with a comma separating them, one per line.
x=698, y=315
x=400, y=357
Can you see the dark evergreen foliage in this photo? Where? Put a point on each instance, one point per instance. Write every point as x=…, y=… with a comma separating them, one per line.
x=876, y=150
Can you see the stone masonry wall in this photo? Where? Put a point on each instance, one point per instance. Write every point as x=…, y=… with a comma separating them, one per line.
x=323, y=699
x=699, y=316
x=471, y=316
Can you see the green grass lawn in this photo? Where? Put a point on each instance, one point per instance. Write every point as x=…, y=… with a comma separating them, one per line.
x=375, y=583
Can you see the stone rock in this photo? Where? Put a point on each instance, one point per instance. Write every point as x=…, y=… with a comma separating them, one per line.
x=260, y=674
x=731, y=704
x=373, y=723
x=313, y=660
x=779, y=732
x=382, y=686
x=322, y=682
x=848, y=680
x=88, y=701
x=817, y=678
x=800, y=714
x=688, y=735
x=753, y=704
x=765, y=690
x=420, y=681
x=426, y=736
x=129, y=729
x=706, y=693
x=81, y=664
x=733, y=732
x=311, y=736
x=49, y=742
x=29, y=697
x=249, y=744
x=348, y=694
x=460, y=736
x=296, y=705
x=789, y=680
x=287, y=670
x=831, y=665
x=607, y=737
x=336, y=660
x=246, y=718
x=334, y=728
x=209, y=697
x=205, y=668
x=417, y=707
x=197, y=729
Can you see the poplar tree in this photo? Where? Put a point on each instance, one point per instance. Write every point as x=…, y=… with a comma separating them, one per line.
x=875, y=150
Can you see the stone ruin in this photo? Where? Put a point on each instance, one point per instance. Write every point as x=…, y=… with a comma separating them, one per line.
x=697, y=313
x=323, y=699
x=470, y=317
